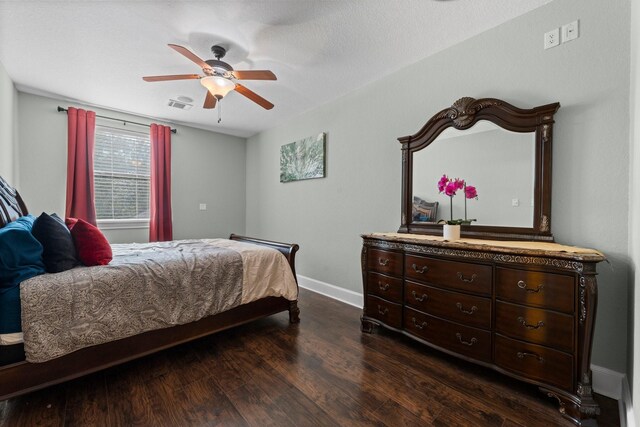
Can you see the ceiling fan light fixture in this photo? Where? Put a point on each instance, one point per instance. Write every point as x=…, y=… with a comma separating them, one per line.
x=218, y=86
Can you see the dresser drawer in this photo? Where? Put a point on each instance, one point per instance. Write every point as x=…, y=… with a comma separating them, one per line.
x=535, y=362
x=462, y=308
x=389, y=288
x=475, y=278
x=535, y=325
x=385, y=262
x=536, y=288
x=469, y=342
x=385, y=311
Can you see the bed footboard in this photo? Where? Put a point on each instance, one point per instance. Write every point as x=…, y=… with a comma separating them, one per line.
x=287, y=249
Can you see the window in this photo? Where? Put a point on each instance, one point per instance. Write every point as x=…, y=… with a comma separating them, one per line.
x=121, y=174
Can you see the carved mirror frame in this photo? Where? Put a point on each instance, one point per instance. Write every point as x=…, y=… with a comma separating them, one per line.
x=463, y=114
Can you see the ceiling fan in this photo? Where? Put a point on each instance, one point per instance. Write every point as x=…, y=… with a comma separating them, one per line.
x=219, y=77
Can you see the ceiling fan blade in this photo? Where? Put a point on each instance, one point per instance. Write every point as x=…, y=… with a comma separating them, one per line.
x=210, y=101
x=254, y=75
x=170, y=77
x=254, y=97
x=190, y=55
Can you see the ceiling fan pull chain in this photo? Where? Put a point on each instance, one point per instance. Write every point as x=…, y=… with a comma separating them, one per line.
x=219, y=110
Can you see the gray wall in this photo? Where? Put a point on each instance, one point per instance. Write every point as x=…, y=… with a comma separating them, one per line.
x=8, y=127
x=206, y=168
x=588, y=76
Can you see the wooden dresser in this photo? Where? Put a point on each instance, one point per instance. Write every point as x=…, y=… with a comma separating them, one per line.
x=526, y=309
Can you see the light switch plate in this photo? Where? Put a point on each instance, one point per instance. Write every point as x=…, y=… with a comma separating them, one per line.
x=203, y=206
x=570, y=31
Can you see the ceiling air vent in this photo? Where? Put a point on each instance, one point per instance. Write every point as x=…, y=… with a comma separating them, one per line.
x=179, y=105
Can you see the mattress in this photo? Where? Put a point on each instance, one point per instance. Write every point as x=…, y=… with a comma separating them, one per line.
x=11, y=339
x=146, y=287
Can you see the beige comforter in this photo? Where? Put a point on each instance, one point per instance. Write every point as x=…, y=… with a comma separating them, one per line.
x=146, y=287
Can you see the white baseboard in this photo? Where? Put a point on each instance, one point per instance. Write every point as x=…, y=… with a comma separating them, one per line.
x=605, y=381
x=625, y=405
x=344, y=295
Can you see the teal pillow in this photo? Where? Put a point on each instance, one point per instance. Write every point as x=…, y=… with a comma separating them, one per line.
x=20, y=253
x=10, y=314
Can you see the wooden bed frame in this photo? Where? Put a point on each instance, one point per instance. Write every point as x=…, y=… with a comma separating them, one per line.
x=24, y=377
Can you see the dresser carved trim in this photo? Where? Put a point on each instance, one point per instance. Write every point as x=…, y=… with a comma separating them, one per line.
x=525, y=309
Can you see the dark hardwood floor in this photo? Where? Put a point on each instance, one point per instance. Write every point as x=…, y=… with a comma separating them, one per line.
x=322, y=372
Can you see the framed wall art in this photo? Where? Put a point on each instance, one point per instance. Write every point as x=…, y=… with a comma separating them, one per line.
x=303, y=159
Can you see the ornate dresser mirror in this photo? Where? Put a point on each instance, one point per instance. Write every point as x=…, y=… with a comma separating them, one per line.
x=504, y=151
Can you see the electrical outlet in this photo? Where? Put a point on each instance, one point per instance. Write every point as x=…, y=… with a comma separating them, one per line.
x=570, y=31
x=515, y=203
x=203, y=206
x=552, y=38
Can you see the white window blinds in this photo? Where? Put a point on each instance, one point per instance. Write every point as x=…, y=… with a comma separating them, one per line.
x=121, y=173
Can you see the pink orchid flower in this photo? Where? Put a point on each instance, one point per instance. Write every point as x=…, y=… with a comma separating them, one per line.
x=451, y=188
x=471, y=192
x=442, y=183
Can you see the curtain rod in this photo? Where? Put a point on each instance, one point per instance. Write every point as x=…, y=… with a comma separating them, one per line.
x=60, y=110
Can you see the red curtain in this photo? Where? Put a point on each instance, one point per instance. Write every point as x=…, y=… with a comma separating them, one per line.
x=81, y=139
x=160, y=224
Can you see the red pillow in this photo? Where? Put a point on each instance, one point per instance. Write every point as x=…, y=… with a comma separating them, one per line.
x=91, y=245
x=70, y=222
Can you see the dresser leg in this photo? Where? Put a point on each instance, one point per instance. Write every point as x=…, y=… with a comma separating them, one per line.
x=581, y=409
x=294, y=312
x=367, y=326
x=589, y=408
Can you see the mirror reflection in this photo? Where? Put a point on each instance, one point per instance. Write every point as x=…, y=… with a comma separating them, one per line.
x=499, y=163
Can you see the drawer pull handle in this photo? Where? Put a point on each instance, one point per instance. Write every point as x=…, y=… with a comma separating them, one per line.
x=464, y=279
x=383, y=262
x=523, y=285
x=469, y=343
x=381, y=311
x=383, y=287
x=420, y=270
x=460, y=307
x=419, y=326
x=528, y=326
x=421, y=298
x=522, y=355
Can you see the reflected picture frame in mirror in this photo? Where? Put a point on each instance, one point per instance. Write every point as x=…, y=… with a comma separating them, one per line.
x=463, y=115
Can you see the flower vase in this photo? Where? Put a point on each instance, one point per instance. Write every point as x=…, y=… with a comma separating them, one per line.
x=451, y=232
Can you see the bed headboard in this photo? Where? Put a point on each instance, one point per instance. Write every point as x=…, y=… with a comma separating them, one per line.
x=11, y=205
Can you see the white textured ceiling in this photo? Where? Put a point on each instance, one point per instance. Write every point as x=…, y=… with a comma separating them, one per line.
x=96, y=52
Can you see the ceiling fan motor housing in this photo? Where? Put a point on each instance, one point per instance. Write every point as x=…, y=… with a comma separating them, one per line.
x=219, y=67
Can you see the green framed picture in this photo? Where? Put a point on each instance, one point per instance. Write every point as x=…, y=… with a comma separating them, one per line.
x=303, y=159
